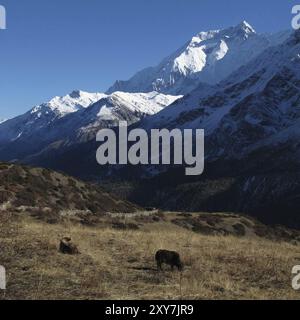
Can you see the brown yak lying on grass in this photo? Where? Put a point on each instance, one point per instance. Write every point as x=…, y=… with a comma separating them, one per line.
x=67, y=247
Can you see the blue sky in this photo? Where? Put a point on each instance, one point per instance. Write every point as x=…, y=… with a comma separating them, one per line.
x=53, y=47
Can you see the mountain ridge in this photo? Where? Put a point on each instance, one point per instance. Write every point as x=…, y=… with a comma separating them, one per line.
x=51, y=194
x=74, y=118
x=208, y=57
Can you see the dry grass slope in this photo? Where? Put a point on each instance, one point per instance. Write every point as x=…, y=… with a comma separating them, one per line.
x=48, y=192
x=119, y=264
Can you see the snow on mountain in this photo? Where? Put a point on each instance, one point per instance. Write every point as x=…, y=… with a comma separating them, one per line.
x=74, y=119
x=252, y=117
x=2, y=120
x=142, y=103
x=208, y=57
x=108, y=111
x=72, y=102
x=205, y=108
x=252, y=149
x=269, y=108
x=42, y=115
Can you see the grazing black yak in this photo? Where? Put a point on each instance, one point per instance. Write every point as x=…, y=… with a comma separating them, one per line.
x=171, y=258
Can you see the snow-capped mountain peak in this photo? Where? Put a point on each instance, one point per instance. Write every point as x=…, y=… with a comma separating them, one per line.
x=47, y=113
x=76, y=94
x=147, y=103
x=75, y=118
x=246, y=27
x=70, y=103
x=118, y=106
x=243, y=30
x=206, y=49
x=257, y=102
x=209, y=57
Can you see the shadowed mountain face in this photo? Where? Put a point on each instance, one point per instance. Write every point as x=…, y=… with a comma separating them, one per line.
x=252, y=141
